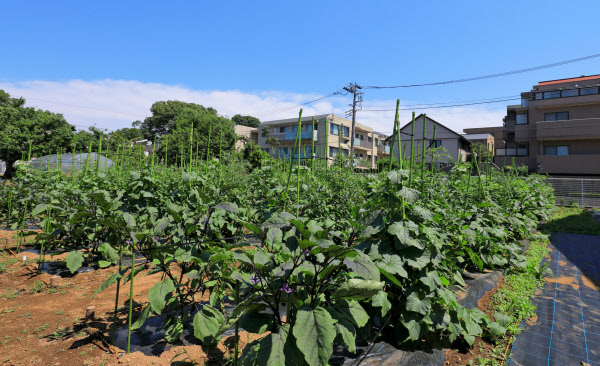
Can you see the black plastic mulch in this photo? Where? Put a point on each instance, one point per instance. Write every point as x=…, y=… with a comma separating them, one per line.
x=567, y=331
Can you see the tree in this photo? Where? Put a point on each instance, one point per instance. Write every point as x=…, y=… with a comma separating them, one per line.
x=23, y=128
x=270, y=139
x=164, y=115
x=254, y=155
x=207, y=125
x=246, y=121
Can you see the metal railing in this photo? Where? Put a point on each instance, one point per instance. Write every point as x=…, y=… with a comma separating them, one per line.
x=584, y=192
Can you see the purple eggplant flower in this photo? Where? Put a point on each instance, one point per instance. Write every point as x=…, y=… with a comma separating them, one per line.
x=128, y=242
x=307, y=252
x=286, y=288
x=254, y=280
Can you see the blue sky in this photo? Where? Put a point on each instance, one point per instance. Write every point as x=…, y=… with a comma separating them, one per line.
x=104, y=63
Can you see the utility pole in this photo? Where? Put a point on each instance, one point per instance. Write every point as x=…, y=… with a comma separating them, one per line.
x=356, y=100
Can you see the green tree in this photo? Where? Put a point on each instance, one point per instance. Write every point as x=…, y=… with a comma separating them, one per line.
x=164, y=116
x=249, y=121
x=254, y=155
x=22, y=127
x=207, y=125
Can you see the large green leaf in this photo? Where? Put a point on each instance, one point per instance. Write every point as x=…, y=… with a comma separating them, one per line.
x=267, y=351
x=392, y=264
x=173, y=330
x=74, y=260
x=159, y=295
x=346, y=334
x=207, y=323
x=142, y=319
x=109, y=281
x=381, y=301
x=414, y=303
x=257, y=322
x=358, y=289
x=315, y=331
x=349, y=310
x=363, y=266
x=109, y=253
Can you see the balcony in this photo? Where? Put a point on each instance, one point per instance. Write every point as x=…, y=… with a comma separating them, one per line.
x=569, y=164
x=383, y=149
x=588, y=128
x=291, y=136
x=363, y=144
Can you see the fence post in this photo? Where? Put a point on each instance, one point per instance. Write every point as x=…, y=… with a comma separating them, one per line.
x=582, y=204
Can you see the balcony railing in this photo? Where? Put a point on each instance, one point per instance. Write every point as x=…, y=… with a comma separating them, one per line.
x=522, y=151
x=290, y=136
x=568, y=129
x=569, y=164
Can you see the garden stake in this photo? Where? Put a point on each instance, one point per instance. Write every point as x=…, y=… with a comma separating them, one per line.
x=412, y=151
x=423, y=153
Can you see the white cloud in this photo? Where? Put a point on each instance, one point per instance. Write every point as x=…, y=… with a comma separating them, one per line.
x=114, y=104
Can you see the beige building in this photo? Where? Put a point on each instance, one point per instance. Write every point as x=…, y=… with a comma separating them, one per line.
x=455, y=144
x=244, y=134
x=331, y=137
x=555, y=129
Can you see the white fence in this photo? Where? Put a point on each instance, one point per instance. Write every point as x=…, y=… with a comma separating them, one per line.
x=584, y=192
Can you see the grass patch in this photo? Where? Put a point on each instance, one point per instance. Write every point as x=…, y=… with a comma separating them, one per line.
x=572, y=220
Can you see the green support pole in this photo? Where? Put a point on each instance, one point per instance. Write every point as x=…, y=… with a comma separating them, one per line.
x=423, y=152
x=412, y=150
x=312, y=149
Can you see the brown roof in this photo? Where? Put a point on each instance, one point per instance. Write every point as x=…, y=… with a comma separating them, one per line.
x=568, y=80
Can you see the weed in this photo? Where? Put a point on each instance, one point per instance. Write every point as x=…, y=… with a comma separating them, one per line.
x=37, y=287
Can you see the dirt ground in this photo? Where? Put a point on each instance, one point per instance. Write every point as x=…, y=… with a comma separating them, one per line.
x=482, y=348
x=43, y=325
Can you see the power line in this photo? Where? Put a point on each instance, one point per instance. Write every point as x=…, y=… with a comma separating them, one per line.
x=285, y=109
x=441, y=106
x=489, y=76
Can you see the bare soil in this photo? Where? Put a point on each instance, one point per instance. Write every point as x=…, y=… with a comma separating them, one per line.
x=482, y=347
x=40, y=325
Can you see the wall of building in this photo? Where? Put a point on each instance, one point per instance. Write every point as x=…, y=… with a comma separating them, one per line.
x=450, y=141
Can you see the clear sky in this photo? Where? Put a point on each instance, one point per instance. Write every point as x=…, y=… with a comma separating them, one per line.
x=106, y=62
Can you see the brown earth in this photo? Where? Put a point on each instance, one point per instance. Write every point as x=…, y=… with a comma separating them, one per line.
x=482, y=348
x=40, y=325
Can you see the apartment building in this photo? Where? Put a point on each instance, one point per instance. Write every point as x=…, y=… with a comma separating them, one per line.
x=555, y=129
x=331, y=137
x=245, y=133
x=455, y=144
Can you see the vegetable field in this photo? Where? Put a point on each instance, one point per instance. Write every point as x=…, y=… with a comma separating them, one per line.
x=309, y=255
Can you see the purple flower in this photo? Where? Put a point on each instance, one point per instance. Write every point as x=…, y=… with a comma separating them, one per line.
x=128, y=242
x=286, y=288
x=307, y=252
x=254, y=280
x=156, y=238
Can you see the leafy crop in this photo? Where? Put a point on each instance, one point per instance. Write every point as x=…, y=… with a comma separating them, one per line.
x=350, y=254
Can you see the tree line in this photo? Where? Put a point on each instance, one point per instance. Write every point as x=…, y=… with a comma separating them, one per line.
x=26, y=130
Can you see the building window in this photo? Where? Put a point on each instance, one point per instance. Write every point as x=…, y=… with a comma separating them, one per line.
x=334, y=129
x=588, y=91
x=569, y=93
x=521, y=119
x=307, y=151
x=376, y=141
x=552, y=94
x=345, y=131
x=556, y=116
x=436, y=143
x=370, y=139
x=522, y=149
x=524, y=102
x=333, y=151
x=556, y=150
x=282, y=129
x=539, y=96
x=316, y=126
x=510, y=137
x=283, y=150
x=345, y=152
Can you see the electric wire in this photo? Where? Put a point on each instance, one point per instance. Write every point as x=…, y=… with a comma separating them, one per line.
x=437, y=107
x=488, y=76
